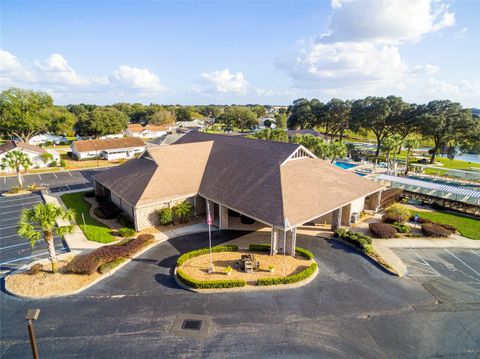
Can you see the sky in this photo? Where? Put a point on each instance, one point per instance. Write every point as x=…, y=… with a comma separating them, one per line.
x=239, y=52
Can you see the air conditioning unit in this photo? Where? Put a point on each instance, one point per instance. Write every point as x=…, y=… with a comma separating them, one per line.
x=355, y=217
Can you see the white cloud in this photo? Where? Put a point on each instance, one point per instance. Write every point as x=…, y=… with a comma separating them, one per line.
x=224, y=81
x=55, y=76
x=425, y=69
x=386, y=21
x=135, y=78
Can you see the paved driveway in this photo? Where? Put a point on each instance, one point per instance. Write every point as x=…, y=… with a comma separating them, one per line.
x=15, y=251
x=351, y=309
x=57, y=181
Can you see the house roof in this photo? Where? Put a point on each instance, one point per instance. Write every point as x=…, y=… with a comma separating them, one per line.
x=136, y=127
x=107, y=144
x=12, y=145
x=254, y=177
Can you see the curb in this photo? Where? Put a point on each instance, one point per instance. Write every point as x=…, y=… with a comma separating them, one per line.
x=390, y=271
x=247, y=288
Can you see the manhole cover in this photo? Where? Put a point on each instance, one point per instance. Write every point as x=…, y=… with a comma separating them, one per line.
x=191, y=324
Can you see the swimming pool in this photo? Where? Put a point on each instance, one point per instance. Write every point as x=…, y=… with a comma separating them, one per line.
x=345, y=165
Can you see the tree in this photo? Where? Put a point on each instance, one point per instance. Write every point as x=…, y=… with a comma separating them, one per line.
x=269, y=134
x=183, y=114
x=337, y=149
x=446, y=123
x=102, y=121
x=41, y=221
x=410, y=144
x=16, y=160
x=22, y=113
x=61, y=120
x=268, y=123
x=238, y=116
x=315, y=144
x=182, y=210
x=259, y=110
x=46, y=157
x=335, y=117
x=281, y=120
x=162, y=117
x=301, y=115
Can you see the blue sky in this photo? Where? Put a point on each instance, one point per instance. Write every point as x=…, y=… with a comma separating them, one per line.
x=267, y=52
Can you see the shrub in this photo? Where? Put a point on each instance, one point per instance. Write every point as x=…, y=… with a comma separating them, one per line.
x=63, y=163
x=126, y=232
x=182, y=211
x=165, y=216
x=209, y=284
x=304, y=253
x=53, y=164
x=32, y=187
x=368, y=248
x=14, y=189
x=357, y=239
x=400, y=227
x=339, y=232
x=295, y=278
x=449, y=227
x=107, y=267
x=192, y=254
x=396, y=213
x=259, y=247
x=434, y=230
x=382, y=230
x=36, y=268
x=90, y=263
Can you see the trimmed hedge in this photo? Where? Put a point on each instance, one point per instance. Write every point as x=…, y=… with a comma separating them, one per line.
x=266, y=248
x=435, y=230
x=126, y=232
x=91, y=262
x=186, y=256
x=358, y=239
x=382, y=230
x=295, y=278
x=107, y=267
x=209, y=284
x=400, y=227
x=396, y=213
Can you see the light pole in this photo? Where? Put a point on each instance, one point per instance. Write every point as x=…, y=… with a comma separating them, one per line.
x=32, y=314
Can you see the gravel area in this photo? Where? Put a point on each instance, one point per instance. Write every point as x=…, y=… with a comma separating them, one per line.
x=284, y=265
x=45, y=283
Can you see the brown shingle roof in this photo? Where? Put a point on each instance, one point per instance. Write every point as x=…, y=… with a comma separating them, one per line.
x=10, y=145
x=108, y=144
x=247, y=175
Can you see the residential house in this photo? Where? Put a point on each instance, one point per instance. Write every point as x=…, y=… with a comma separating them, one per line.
x=147, y=131
x=46, y=137
x=109, y=149
x=35, y=154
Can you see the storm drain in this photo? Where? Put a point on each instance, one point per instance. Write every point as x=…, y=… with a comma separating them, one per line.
x=192, y=324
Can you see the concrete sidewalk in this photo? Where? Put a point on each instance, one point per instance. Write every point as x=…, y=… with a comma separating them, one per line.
x=428, y=243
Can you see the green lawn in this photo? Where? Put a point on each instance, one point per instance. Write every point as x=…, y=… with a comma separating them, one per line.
x=467, y=226
x=93, y=230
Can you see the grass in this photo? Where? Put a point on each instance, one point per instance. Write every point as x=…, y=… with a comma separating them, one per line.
x=93, y=230
x=467, y=226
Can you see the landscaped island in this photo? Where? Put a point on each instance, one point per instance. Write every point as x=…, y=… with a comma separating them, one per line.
x=192, y=267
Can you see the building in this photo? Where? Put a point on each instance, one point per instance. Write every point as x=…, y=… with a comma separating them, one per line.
x=35, y=153
x=187, y=126
x=109, y=149
x=282, y=185
x=148, y=131
x=46, y=137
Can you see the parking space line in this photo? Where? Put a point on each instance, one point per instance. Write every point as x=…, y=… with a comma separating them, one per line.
x=465, y=264
x=14, y=245
x=33, y=255
x=54, y=175
x=8, y=227
x=10, y=235
x=16, y=205
x=2, y=200
x=425, y=262
x=18, y=210
x=69, y=173
x=39, y=176
x=475, y=252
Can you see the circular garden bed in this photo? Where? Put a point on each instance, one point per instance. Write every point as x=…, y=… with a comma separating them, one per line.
x=192, y=268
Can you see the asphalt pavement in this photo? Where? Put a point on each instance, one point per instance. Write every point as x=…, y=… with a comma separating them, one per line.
x=16, y=251
x=352, y=309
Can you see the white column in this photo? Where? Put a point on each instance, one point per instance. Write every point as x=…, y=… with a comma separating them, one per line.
x=273, y=241
x=223, y=217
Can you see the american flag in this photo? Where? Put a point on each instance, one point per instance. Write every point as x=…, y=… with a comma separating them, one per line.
x=209, y=220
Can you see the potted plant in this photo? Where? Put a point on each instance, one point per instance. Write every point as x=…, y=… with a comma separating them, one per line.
x=271, y=268
x=228, y=270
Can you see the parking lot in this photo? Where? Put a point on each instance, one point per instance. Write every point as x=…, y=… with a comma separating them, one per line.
x=15, y=251
x=451, y=274
x=56, y=181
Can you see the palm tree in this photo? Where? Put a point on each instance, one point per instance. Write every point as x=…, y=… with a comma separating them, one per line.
x=410, y=144
x=40, y=221
x=182, y=210
x=17, y=160
x=337, y=149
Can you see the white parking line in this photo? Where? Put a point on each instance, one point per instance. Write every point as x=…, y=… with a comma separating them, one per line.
x=69, y=173
x=14, y=245
x=466, y=265
x=54, y=175
x=426, y=263
x=10, y=235
x=475, y=252
x=3, y=200
x=34, y=255
x=16, y=205
x=39, y=176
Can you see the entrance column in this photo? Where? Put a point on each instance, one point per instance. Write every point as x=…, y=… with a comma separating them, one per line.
x=292, y=243
x=223, y=216
x=336, y=219
x=273, y=241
